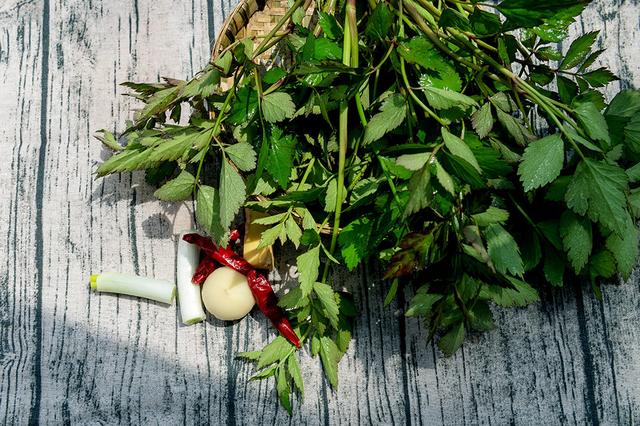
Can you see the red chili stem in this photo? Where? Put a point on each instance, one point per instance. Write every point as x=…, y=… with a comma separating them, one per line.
x=260, y=287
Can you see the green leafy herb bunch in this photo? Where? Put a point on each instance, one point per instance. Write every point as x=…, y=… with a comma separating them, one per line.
x=404, y=132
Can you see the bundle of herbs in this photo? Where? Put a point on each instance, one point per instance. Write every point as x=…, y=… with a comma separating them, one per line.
x=404, y=132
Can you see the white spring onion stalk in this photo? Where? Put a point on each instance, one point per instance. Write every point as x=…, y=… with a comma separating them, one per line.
x=189, y=296
x=133, y=285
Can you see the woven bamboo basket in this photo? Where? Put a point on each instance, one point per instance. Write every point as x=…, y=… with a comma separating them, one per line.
x=255, y=19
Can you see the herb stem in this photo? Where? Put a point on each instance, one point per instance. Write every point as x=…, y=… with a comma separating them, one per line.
x=262, y=47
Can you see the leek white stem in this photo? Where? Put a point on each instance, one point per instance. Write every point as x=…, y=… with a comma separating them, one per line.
x=189, y=296
x=133, y=285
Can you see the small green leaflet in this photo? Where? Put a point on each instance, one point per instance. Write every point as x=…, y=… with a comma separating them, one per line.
x=308, y=268
x=603, y=264
x=208, y=212
x=446, y=99
x=242, y=155
x=354, y=241
x=419, y=191
x=330, y=26
x=331, y=197
x=294, y=233
x=444, y=178
x=481, y=318
x=280, y=156
x=600, y=77
x=422, y=303
x=541, y=162
x=527, y=13
x=482, y=120
x=392, y=114
x=576, y=239
x=275, y=351
x=380, y=22
x=492, y=215
x=553, y=268
x=327, y=299
x=452, y=340
x=178, y=189
x=625, y=249
x=125, y=161
x=593, y=121
x=232, y=194
x=598, y=190
x=296, y=375
x=415, y=161
x=421, y=51
x=158, y=103
x=277, y=106
x=522, y=294
x=109, y=140
x=330, y=356
x=283, y=389
x=503, y=250
x=578, y=50
x=459, y=148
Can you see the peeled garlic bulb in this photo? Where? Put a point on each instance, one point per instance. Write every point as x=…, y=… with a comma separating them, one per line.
x=226, y=294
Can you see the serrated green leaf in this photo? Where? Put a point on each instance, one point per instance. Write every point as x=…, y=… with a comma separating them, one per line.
x=480, y=316
x=294, y=233
x=578, y=50
x=577, y=239
x=593, y=122
x=445, y=99
x=264, y=374
x=232, y=194
x=244, y=106
x=503, y=250
x=223, y=63
x=125, y=161
x=459, y=148
x=354, y=241
x=419, y=191
x=444, y=178
x=602, y=264
x=331, y=197
x=452, y=340
x=178, y=189
x=270, y=235
x=308, y=268
x=379, y=24
x=522, y=294
x=275, y=351
x=330, y=356
x=242, y=155
x=554, y=267
x=109, y=140
x=625, y=249
x=158, y=103
x=392, y=113
x=330, y=26
x=482, y=120
x=527, y=13
x=632, y=134
x=600, y=77
x=520, y=133
x=294, y=371
x=484, y=23
x=277, y=106
x=328, y=301
x=541, y=162
x=422, y=303
x=490, y=216
x=598, y=190
x=421, y=51
x=283, y=389
x=208, y=212
x=252, y=356
x=280, y=157
x=414, y=161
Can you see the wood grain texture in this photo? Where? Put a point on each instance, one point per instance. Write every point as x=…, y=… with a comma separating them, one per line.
x=74, y=357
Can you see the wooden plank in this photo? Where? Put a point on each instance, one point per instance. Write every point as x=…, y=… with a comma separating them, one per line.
x=23, y=37
x=105, y=358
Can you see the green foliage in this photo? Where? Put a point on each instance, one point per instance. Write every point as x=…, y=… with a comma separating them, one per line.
x=408, y=142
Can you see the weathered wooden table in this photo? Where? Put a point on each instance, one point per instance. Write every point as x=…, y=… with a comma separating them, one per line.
x=70, y=356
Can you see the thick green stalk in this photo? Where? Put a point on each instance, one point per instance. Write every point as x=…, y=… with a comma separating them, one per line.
x=349, y=58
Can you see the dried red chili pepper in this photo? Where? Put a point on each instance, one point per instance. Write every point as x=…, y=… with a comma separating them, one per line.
x=268, y=304
x=205, y=268
x=234, y=235
x=260, y=287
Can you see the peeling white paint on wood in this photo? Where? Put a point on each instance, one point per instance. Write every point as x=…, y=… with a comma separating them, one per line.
x=71, y=356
